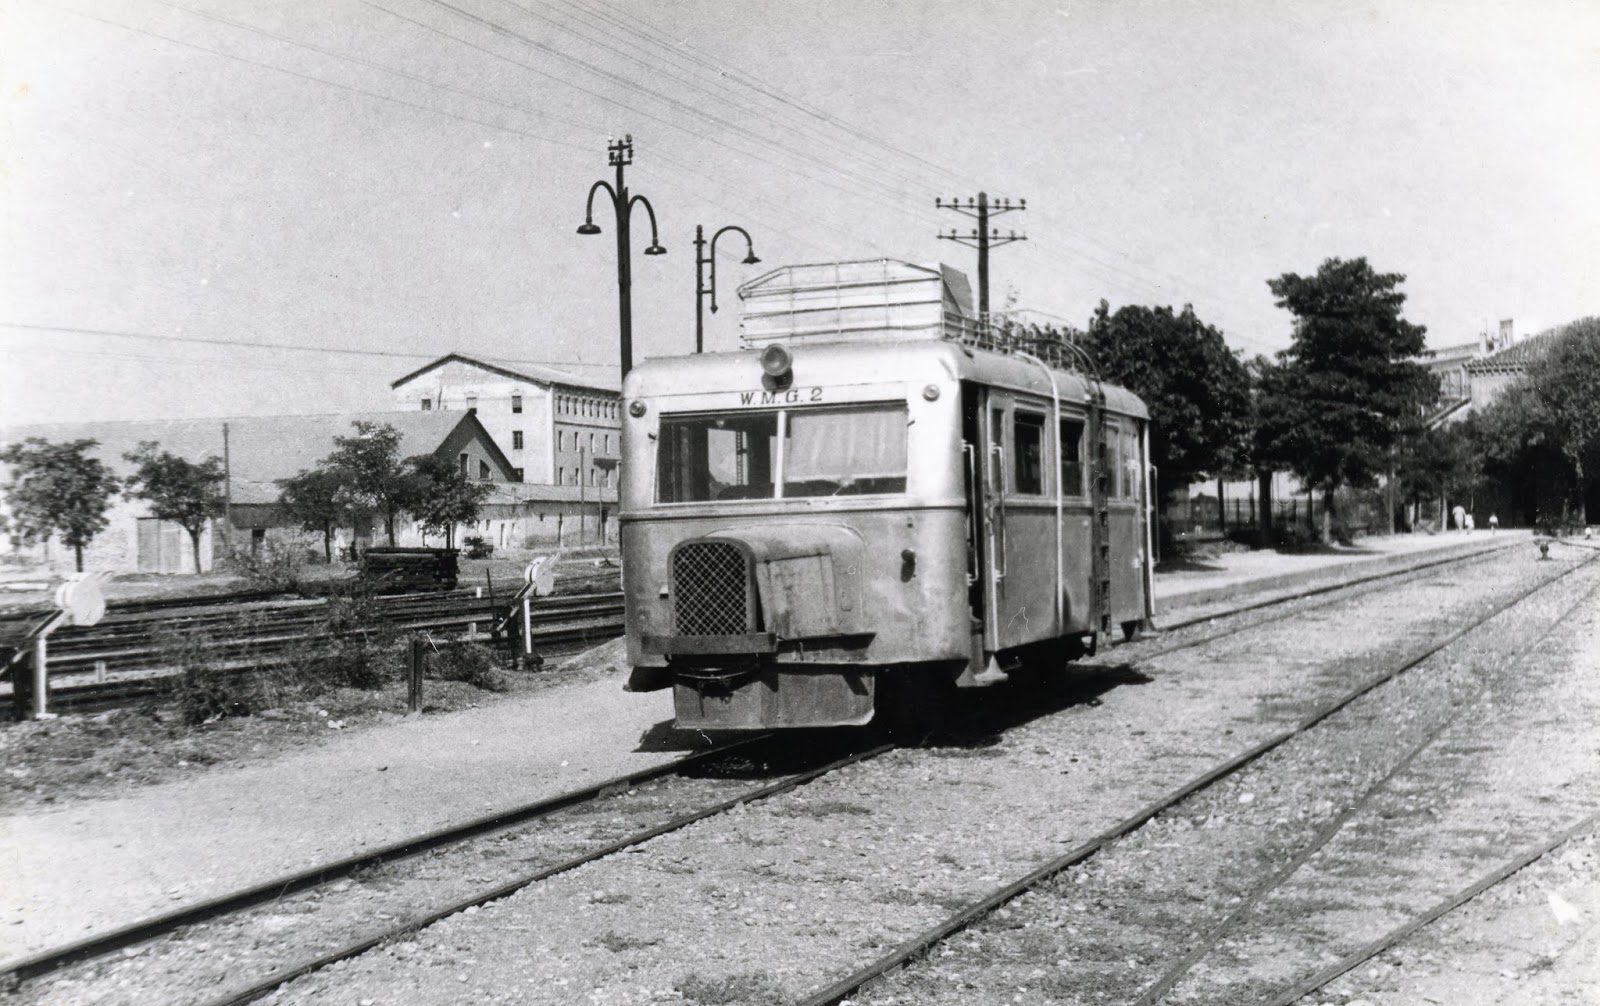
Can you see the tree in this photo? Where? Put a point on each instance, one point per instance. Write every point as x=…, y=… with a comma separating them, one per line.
x=1350, y=387
x=185, y=492
x=444, y=496
x=372, y=472
x=57, y=489
x=1563, y=386
x=1197, y=390
x=1543, y=433
x=1442, y=463
x=316, y=500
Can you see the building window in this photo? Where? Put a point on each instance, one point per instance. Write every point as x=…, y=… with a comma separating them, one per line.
x=427, y=405
x=463, y=465
x=608, y=443
x=483, y=471
x=591, y=443
x=472, y=401
x=516, y=403
x=561, y=440
x=516, y=474
x=516, y=440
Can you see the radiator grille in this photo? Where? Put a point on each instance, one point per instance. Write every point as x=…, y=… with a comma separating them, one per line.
x=711, y=585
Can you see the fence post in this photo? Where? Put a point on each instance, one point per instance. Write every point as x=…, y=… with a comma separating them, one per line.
x=41, y=677
x=419, y=656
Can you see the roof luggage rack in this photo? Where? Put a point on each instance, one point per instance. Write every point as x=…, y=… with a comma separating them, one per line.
x=884, y=300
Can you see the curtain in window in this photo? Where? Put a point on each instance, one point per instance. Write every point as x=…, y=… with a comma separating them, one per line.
x=854, y=443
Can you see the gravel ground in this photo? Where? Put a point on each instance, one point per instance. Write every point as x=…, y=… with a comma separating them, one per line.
x=761, y=905
x=1491, y=783
x=253, y=944
x=95, y=864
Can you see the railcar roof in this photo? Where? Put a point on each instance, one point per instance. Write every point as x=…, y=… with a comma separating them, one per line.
x=867, y=363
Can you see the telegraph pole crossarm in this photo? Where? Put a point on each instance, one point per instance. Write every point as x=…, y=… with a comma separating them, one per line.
x=705, y=274
x=982, y=237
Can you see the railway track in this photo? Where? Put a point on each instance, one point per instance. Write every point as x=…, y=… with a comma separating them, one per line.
x=873, y=982
x=125, y=657
x=655, y=802
x=224, y=911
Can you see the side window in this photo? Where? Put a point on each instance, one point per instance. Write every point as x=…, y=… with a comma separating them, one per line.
x=516, y=403
x=1028, y=452
x=1130, y=464
x=1113, y=461
x=1072, y=457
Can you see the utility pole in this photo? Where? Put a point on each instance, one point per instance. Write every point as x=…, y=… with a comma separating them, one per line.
x=982, y=237
x=227, y=491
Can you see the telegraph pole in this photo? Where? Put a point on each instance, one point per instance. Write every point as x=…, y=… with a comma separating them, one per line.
x=982, y=237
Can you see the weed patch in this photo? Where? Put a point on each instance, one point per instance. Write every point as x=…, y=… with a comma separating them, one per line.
x=757, y=988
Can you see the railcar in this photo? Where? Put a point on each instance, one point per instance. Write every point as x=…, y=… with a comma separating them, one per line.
x=859, y=518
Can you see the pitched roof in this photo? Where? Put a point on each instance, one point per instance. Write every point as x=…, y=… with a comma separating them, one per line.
x=1517, y=356
x=524, y=372
x=260, y=448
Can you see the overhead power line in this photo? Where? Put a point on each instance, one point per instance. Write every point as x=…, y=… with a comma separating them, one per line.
x=287, y=347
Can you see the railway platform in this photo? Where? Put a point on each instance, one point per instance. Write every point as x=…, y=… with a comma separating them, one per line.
x=91, y=866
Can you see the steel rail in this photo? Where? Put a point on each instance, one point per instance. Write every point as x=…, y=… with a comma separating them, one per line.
x=1326, y=588
x=1214, y=935
x=833, y=995
x=77, y=653
x=1378, y=579
x=1372, y=949
x=152, y=926
x=148, y=683
x=283, y=976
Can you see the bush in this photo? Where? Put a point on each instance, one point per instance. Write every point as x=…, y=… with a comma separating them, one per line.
x=470, y=663
x=218, y=676
x=477, y=546
x=275, y=566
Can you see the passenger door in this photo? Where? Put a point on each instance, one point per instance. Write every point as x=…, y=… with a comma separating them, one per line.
x=1019, y=516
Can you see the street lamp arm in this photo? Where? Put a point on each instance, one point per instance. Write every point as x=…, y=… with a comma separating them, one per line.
x=655, y=238
x=732, y=227
x=588, y=209
x=750, y=257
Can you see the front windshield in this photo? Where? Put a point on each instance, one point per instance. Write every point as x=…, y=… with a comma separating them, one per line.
x=845, y=452
x=835, y=451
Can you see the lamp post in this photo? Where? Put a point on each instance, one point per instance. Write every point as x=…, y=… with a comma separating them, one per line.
x=620, y=154
x=703, y=286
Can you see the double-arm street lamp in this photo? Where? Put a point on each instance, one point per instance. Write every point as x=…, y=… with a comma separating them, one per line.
x=621, y=155
x=706, y=262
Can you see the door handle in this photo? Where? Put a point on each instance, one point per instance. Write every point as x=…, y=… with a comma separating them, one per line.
x=999, y=451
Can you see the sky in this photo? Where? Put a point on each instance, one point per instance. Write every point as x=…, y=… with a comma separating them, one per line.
x=220, y=207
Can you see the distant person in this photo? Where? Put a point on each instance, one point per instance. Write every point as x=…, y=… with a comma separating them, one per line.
x=1469, y=522
x=1494, y=523
x=1460, y=514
